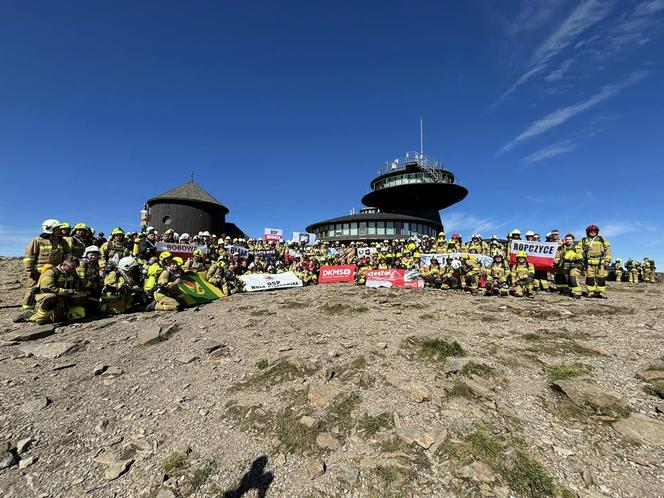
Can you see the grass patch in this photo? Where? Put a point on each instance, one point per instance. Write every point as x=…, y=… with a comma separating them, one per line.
x=201, y=474
x=655, y=388
x=461, y=389
x=342, y=308
x=439, y=349
x=371, y=425
x=387, y=473
x=270, y=375
x=567, y=371
x=506, y=458
x=479, y=369
x=531, y=337
x=174, y=463
x=338, y=417
x=293, y=436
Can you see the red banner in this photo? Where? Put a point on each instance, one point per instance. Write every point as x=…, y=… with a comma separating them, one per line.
x=409, y=279
x=337, y=273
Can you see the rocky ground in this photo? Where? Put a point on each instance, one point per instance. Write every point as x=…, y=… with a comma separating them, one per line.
x=339, y=390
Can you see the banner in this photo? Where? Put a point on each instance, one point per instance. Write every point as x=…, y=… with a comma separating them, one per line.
x=540, y=254
x=196, y=290
x=409, y=279
x=301, y=237
x=456, y=256
x=276, y=234
x=182, y=250
x=242, y=251
x=366, y=252
x=337, y=273
x=267, y=281
x=268, y=254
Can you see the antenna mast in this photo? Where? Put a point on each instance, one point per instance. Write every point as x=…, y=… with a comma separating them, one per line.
x=421, y=138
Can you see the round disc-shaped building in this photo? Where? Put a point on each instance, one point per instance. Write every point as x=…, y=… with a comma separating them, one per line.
x=405, y=200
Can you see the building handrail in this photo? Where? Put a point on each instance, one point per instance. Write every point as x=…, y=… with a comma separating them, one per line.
x=432, y=166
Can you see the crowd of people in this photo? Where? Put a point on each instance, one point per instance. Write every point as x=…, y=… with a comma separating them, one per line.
x=72, y=272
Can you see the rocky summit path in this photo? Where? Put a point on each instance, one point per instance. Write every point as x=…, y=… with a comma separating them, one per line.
x=339, y=390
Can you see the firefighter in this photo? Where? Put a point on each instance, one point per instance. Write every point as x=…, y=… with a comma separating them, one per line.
x=79, y=240
x=89, y=277
x=469, y=272
x=115, y=248
x=498, y=276
x=432, y=276
x=196, y=263
x=147, y=247
x=57, y=291
x=634, y=269
x=597, y=258
x=648, y=271
x=48, y=248
x=122, y=287
x=522, y=276
x=568, y=263
x=618, y=270
x=167, y=296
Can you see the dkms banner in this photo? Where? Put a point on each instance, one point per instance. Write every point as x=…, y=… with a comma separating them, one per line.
x=336, y=273
x=194, y=289
x=409, y=279
x=267, y=281
x=456, y=256
x=540, y=254
x=183, y=250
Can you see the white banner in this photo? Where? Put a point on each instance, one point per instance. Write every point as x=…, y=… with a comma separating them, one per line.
x=273, y=234
x=178, y=248
x=300, y=237
x=242, y=251
x=267, y=281
x=456, y=256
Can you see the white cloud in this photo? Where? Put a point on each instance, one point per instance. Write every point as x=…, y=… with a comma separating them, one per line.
x=532, y=15
x=564, y=114
x=558, y=73
x=584, y=16
x=456, y=221
x=550, y=151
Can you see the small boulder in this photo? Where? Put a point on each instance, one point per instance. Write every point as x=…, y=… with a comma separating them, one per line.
x=116, y=469
x=327, y=441
x=641, y=427
x=35, y=405
x=583, y=393
x=477, y=472
x=32, y=333
x=316, y=468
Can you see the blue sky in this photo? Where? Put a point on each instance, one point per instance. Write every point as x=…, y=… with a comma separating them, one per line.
x=549, y=111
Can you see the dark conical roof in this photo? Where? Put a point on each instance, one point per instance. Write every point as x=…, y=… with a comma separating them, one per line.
x=189, y=191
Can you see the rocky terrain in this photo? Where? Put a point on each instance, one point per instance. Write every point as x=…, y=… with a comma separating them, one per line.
x=338, y=390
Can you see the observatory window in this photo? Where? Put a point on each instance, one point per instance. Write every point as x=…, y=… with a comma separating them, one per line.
x=166, y=220
x=353, y=228
x=380, y=228
x=389, y=229
x=363, y=227
x=372, y=228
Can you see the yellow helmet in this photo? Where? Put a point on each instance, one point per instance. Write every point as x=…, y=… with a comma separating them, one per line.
x=117, y=231
x=465, y=256
x=164, y=255
x=80, y=226
x=521, y=254
x=441, y=234
x=417, y=255
x=198, y=252
x=64, y=224
x=178, y=260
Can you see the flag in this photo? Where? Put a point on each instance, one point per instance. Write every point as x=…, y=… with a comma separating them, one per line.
x=196, y=290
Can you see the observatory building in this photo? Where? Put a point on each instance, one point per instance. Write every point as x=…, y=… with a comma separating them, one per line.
x=189, y=209
x=405, y=200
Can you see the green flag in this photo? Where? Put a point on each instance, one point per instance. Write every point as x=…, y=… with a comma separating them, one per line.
x=196, y=290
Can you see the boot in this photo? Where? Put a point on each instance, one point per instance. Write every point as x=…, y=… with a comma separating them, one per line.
x=23, y=317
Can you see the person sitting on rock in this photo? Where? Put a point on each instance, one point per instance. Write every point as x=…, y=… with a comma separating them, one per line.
x=196, y=263
x=58, y=287
x=168, y=297
x=498, y=276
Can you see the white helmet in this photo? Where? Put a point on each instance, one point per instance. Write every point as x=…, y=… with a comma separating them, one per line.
x=516, y=231
x=90, y=249
x=184, y=236
x=49, y=225
x=530, y=233
x=204, y=234
x=126, y=263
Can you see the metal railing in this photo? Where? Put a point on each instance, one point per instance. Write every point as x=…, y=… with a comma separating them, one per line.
x=431, y=166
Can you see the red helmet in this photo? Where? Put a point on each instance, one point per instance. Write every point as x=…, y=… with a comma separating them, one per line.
x=592, y=228
x=456, y=236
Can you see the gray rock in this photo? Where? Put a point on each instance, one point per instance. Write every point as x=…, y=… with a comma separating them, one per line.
x=148, y=337
x=165, y=492
x=584, y=393
x=116, y=469
x=7, y=458
x=477, y=472
x=33, y=333
x=35, y=405
x=26, y=462
x=187, y=359
x=316, y=468
x=50, y=350
x=23, y=445
x=327, y=441
x=99, y=369
x=308, y=421
x=113, y=372
x=643, y=428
